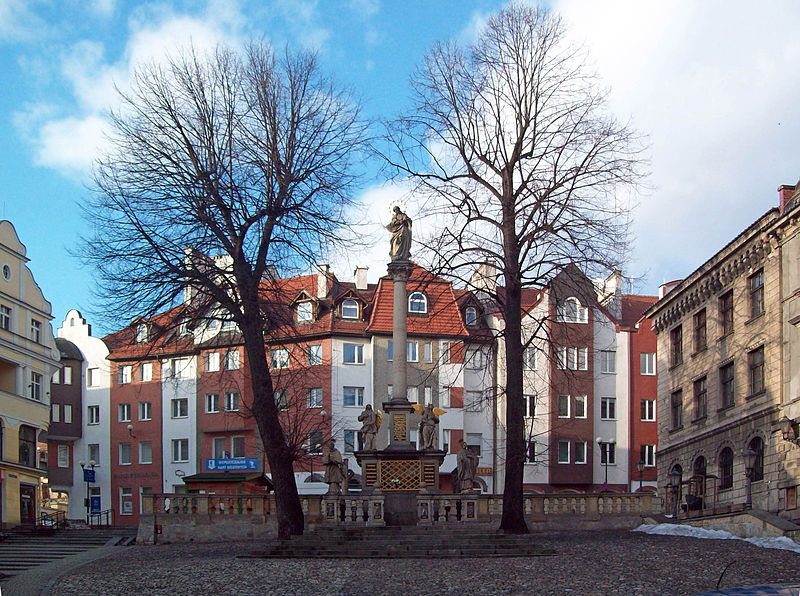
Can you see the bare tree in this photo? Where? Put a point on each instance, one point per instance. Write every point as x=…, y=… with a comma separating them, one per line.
x=510, y=142
x=226, y=169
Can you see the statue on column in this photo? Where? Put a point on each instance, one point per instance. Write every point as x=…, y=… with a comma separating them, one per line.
x=467, y=468
x=369, y=428
x=428, y=424
x=334, y=476
x=400, y=227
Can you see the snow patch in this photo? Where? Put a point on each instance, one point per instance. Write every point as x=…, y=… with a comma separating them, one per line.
x=781, y=543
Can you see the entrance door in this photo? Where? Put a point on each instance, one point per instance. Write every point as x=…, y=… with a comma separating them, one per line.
x=27, y=504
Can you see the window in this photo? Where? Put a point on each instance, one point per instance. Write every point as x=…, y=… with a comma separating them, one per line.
x=755, y=284
x=755, y=365
x=349, y=309
x=608, y=453
x=563, y=406
x=647, y=363
x=413, y=437
x=353, y=441
x=608, y=408
x=212, y=362
x=700, y=330
x=571, y=311
x=427, y=351
x=390, y=351
x=126, y=501
x=93, y=414
x=145, y=452
x=93, y=452
x=648, y=455
x=314, y=442
x=5, y=317
x=218, y=445
x=237, y=446
x=314, y=354
x=726, y=313
x=445, y=352
x=282, y=399
x=27, y=446
x=471, y=316
x=530, y=405
x=141, y=333
x=412, y=394
x=648, y=407
x=212, y=403
x=67, y=375
x=530, y=454
x=180, y=450
x=474, y=441
x=757, y=445
x=124, y=454
x=55, y=378
x=305, y=311
x=92, y=377
x=231, y=401
x=726, y=468
x=146, y=372
x=580, y=452
x=563, y=452
x=676, y=346
x=36, y=386
x=36, y=331
x=608, y=362
x=428, y=396
x=227, y=323
x=232, y=360
x=67, y=415
x=411, y=352
x=125, y=373
x=444, y=397
x=580, y=407
x=179, y=368
x=7, y=272
x=279, y=358
x=124, y=412
x=353, y=353
x=353, y=396
x=180, y=407
x=676, y=408
x=446, y=440
x=700, y=398
x=529, y=359
x=183, y=327
x=55, y=413
x=417, y=303
x=472, y=401
x=314, y=397
x=474, y=359
x=573, y=358
x=63, y=456
x=726, y=386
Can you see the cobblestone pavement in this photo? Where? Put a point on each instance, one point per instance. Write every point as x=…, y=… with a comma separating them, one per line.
x=586, y=563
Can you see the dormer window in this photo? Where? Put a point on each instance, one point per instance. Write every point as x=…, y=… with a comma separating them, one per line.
x=471, y=316
x=417, y=303
x=183, y=328
x=349, y=309
x=305, y=312
x=571, y=311
x=141, y=333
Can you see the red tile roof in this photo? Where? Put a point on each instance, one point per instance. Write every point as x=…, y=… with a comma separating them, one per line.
x=634, y=306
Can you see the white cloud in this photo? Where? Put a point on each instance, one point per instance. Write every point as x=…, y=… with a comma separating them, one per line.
x=365, y=8
x=102, y=8
x=18, y=22
x=70, y=145
x=304, y=22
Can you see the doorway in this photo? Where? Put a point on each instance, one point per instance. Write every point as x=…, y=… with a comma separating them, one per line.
x=27, y=504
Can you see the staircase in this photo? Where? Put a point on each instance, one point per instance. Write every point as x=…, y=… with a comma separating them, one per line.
x=23, y=548
x=402, y=543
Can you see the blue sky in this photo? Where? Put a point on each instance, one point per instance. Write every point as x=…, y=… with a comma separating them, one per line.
x=714, y=84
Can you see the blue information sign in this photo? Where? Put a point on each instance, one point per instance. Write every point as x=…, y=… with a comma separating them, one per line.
x=94, y=504
x=88, y=475
x=234, y=464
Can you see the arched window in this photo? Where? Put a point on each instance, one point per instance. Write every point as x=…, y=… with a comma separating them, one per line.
x=471, y=315
x=27, y=446
x=726, y=468
x=699, y=469
x=349, y=309
x=757, y=445
x=417, y=303
x=571, y=311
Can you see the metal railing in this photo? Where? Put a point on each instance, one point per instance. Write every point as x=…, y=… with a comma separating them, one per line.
x=56, y=520
x=102, y=519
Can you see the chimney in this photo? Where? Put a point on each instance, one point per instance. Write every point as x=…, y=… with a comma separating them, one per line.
x=360, y=277
x=667, y=287
x=322, y=280
x=785, y=192
x=609, y=293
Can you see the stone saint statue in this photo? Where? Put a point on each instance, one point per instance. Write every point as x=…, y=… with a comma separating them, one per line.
x=369, y=428
x=400, y=227
x=334, y=476
x=428, y=426
x=467, y=467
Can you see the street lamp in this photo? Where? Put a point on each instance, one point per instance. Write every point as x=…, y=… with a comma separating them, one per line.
x=640, y=467
x=674, y=478
x=605, y=449
x=88, y=478
x=749, y=463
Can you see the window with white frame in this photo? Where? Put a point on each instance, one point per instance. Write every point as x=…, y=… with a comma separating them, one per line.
x=427, y=352
x=350, y=309
x=141, y=333
x=473, y=400
x=474, y=442
x=232, y=360
x=389, y=391
x=56, y=378
x=92, y=377
x=237, y=446
x=353, y=441
x=36, y=386
x=411, y=352
x=608, y=453
x=353, y=353
x=212, y=403
x=417, y=303
x=314, y=442
x=219, y=447
x=413, y=437
x=180, y=450
x=530, y=405
x=93, y=415
x=444, y=397
x=647, y=363
x=563, y=406
x=580, y=406
x=572, y=358
x=67, y=375
x=67, y=414
x=146, y=372
x=179, y=368
x=36, y=331
x=529, y=359
x=530, y=452
x=124, y=412
x=608, y=362
x=124, y=454
x=314, y=397
x=445, y=352
x=580, y=452
x=608, y=408
x=231, y=401
x=446, y=440
x=471, y=316
x=126, y=500
x=180, y=407
x=279, y=358
x=571, y=311
x=428, y=396
x=412, y=394
x=563, y=452
x=353, y=396
x=474, y=359
x=125, y=374
x=5, y=317
x=93, y=452
x=314, y=354
x=282, y=399
x=305, y=311
x=63, y=456
x=649, y=455
x=212, y=361
x=145, y=452
x=648, y=407
x=183, y=327
x=55, y=412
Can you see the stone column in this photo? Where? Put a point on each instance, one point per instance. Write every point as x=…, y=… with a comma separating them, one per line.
x=399, y=407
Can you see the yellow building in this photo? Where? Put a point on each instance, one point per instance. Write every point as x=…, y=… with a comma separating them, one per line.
x=28, y=359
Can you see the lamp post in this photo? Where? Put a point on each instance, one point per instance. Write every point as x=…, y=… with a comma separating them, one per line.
x=88, y=478
x=605, y=448
x=640, y=467
x=749, y=463
x=674, y=478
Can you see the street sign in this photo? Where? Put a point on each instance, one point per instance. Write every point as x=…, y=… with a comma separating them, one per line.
x=88, y=475
x=234, y=464
x=94, y=504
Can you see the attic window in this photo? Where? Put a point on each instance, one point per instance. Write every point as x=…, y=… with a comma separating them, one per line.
x=417, y=303
x=349, y=309
x=305, y=311
x=571, y=311
x=471, y=316
x=183, y=328
x=141, y=333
